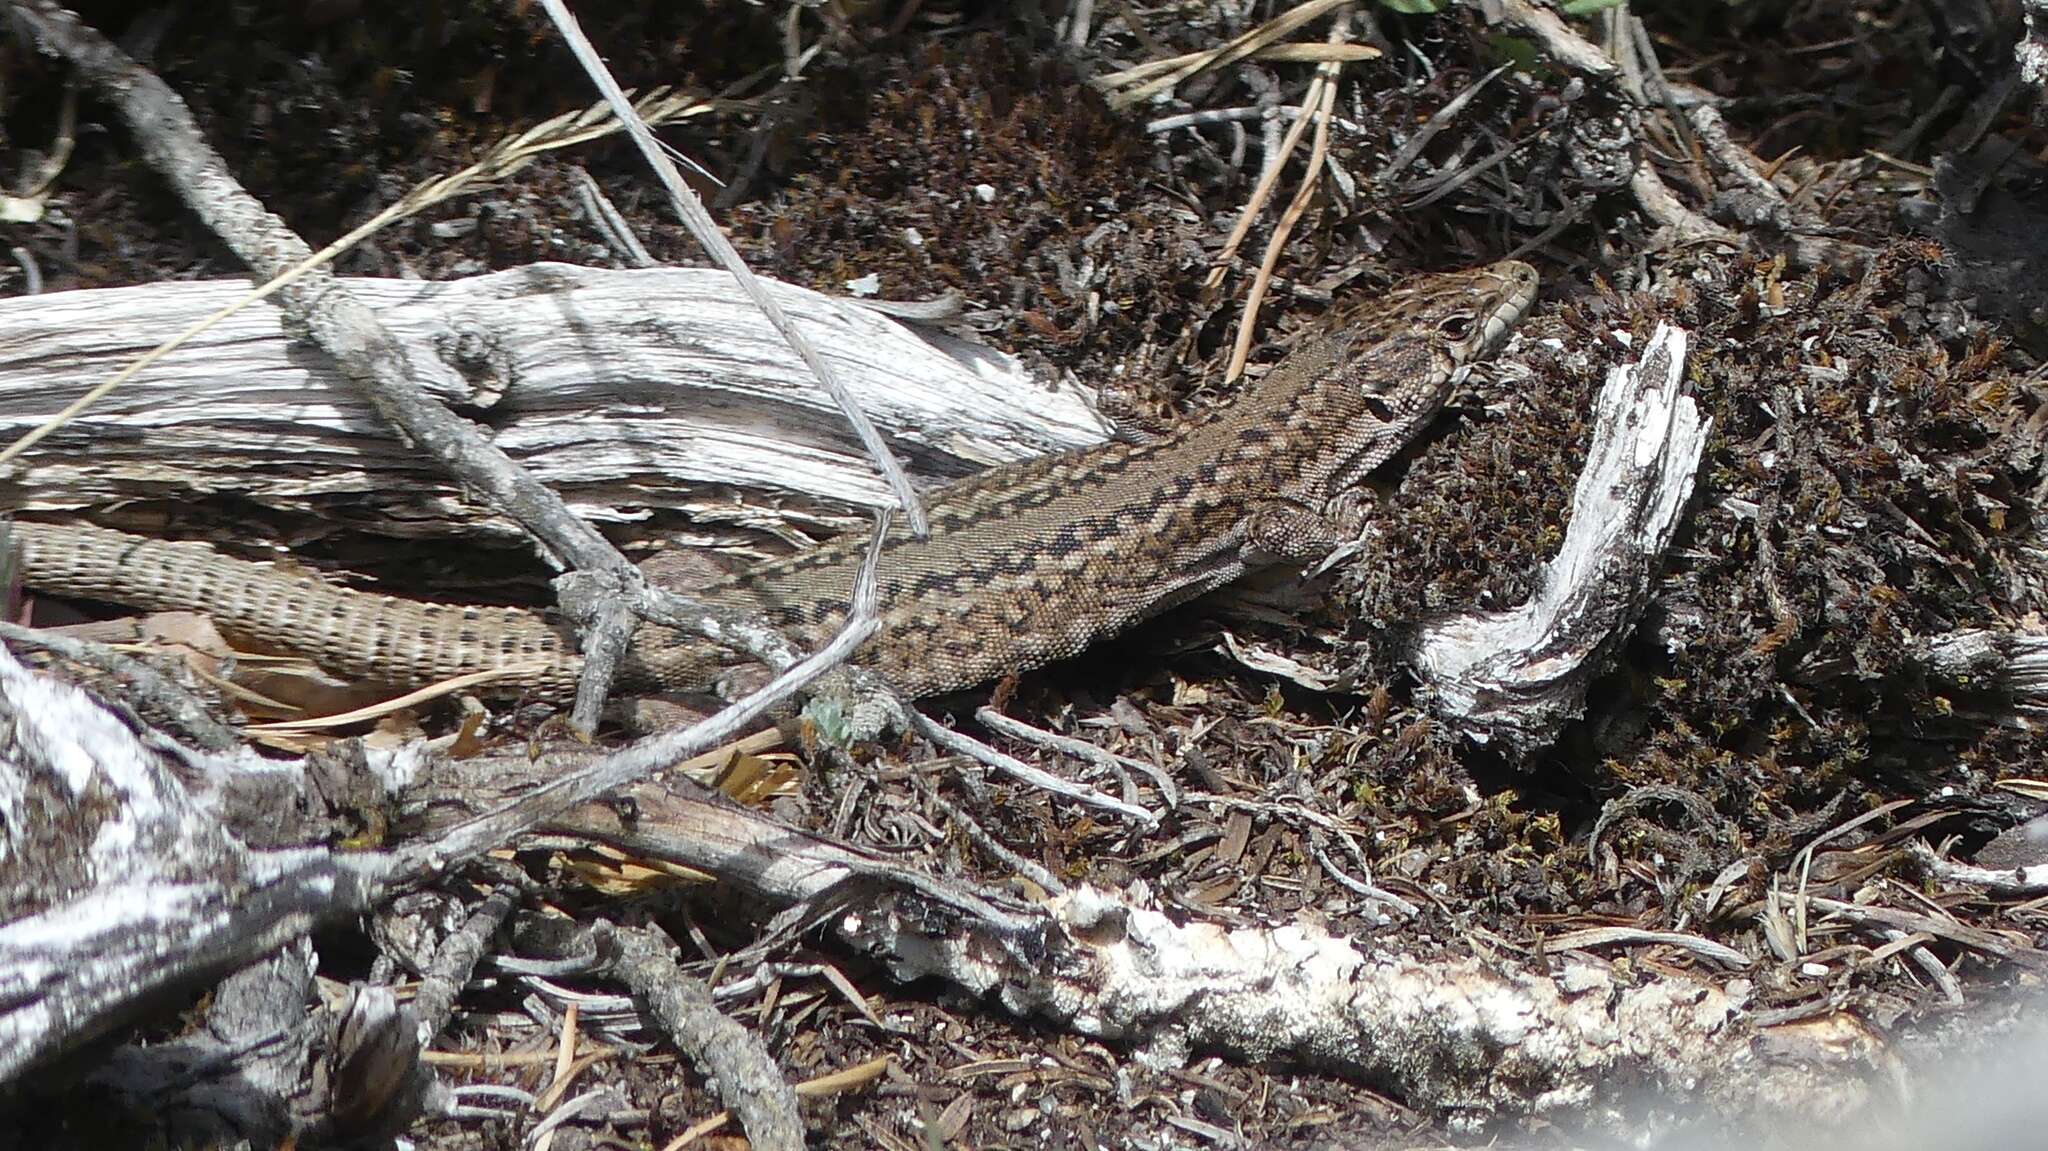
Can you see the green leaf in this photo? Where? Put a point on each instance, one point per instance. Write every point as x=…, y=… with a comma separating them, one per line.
x=1586, y=7
x=1523, y=54
x=1416, y=7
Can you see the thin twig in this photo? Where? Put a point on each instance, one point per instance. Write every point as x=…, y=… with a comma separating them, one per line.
x=149, y=686
x=607, y=220
x=972, y=828
x=1044, y=780
x=1262, y=192
x=1362, y=888
x=455, y=960
x=1661, y=205
x=831, y=1083
x=1437, y=122
x=701, y=225
x=550, y=801
x=1018, y=729
x=1161, y=75
x=1559, y=41
x=1638, y=937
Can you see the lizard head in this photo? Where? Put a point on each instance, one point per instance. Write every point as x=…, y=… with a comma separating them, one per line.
x=1466, y=316
x=1410, y=346
x=1396, y=359
x=1400, y=353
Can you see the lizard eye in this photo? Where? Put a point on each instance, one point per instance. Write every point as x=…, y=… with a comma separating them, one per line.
x=1456, y=328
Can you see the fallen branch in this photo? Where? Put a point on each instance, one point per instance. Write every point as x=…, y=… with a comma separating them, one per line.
x=1471, y=1040
x=1474, y=1041
x=119, y=887
x=2013, y=664
x=1519, y=675
x=627, y=391
x=2026, y=880
x=117, y=882
x=748, y=1080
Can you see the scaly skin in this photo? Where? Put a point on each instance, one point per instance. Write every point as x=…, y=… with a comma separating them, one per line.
x=1026, y=563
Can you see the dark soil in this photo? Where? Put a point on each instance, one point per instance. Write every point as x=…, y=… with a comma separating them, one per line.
x=1871, y=479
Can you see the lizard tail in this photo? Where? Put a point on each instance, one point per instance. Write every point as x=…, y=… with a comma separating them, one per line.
x=361, y=635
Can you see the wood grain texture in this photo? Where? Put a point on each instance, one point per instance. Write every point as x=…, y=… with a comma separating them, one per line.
x=655, y=391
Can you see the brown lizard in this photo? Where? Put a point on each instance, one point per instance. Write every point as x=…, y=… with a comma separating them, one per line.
x=1026, y=563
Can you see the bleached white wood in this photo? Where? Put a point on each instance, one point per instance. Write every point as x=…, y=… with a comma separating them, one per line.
x=625, y=390
x=1519, y=675
x=121, y=877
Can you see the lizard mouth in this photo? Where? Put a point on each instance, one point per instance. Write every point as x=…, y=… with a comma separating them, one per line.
x=1518, y=283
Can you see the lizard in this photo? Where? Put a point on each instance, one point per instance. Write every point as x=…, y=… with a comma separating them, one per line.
x=1026, y=563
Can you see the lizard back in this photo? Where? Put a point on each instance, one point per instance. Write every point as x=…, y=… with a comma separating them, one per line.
x=1026, y=563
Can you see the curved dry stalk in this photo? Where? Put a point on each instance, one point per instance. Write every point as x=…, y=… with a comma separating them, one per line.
x=694, y=216
x=1322, y=93
x=497, y=163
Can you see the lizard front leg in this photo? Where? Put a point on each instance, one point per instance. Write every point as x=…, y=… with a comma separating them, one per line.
x=1282, y=530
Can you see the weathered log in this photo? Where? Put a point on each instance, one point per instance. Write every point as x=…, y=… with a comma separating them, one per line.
x=629, y=392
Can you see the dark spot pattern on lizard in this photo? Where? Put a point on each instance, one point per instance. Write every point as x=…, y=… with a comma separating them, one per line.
x=1027, y=562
